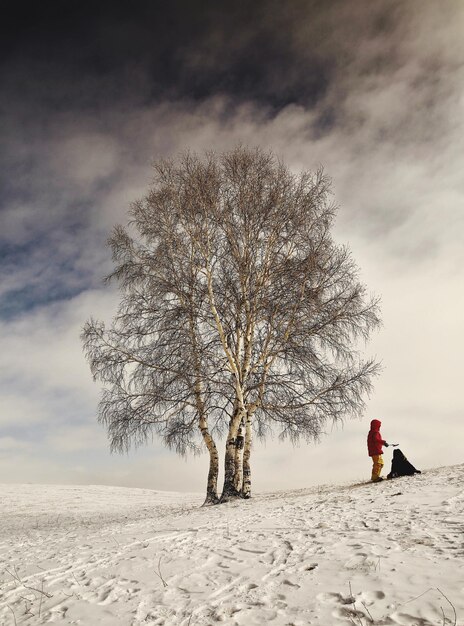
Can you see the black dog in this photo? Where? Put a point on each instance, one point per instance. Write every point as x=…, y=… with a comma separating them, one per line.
x=401, y=466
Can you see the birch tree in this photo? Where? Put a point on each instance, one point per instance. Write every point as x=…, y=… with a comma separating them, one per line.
x=289, y=302
x=238, y=311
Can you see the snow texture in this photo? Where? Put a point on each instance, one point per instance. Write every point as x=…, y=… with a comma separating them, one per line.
x=389, y=554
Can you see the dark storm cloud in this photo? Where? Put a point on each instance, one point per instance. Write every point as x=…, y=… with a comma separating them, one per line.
x=96, y=54
x=87, y=58
x=92, y=92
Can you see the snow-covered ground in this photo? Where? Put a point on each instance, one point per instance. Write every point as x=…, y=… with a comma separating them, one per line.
x=387, y=553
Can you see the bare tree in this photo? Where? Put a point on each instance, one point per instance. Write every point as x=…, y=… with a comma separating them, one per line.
x=238, y=308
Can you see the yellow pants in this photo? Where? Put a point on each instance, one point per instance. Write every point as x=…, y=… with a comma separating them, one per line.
x=377, y=461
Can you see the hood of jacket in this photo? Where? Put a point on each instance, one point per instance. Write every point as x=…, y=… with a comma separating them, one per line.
x=376, y=424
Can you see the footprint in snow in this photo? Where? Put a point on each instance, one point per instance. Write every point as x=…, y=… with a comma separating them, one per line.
x=290, y=583
x=329, y=597
x=310, y=567
x=369, y=597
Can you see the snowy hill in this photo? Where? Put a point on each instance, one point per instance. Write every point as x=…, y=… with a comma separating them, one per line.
x=388, y=553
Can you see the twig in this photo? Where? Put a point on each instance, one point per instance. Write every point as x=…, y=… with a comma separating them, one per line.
x=354, y=605
x=14, y=616
x=423, y=594
x=452, y=606
x=444, y=617
x=16, y=577
x=28, y=605
x=368, y=612
x=415, y=598
x=41, y=599
x=159, y=574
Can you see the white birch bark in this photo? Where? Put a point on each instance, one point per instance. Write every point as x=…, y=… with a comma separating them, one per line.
x=239, y=446
x=229, y=490
x=246, y=489
x=211, y=486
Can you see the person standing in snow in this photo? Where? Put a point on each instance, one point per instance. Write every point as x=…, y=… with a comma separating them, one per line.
x=375, y=451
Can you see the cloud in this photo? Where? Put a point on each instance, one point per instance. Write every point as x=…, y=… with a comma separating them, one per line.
x=372, y=91
x=42, y=347
x=8, y=444
x=69, y=438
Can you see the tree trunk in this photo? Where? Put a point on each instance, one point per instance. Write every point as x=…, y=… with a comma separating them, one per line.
x=211, y=486
x=229, y=490
x=239, y=443
x=246, y=490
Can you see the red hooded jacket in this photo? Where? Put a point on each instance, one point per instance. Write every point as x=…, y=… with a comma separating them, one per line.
x=374, y=439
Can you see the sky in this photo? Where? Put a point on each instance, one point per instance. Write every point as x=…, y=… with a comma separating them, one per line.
x=93, y=93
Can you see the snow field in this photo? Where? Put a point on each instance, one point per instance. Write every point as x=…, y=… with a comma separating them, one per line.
x=389, y=554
